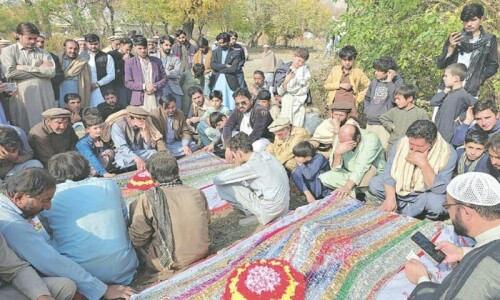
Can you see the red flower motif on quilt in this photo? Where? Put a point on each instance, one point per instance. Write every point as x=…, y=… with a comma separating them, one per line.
x=265, y=279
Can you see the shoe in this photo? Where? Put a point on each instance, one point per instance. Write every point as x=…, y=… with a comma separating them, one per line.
x=248, y=221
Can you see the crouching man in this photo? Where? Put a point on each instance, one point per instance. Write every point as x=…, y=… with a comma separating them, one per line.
x=258, y=186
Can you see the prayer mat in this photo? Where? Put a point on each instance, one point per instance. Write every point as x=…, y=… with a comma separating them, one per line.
x=344, y=249
x=197, y=170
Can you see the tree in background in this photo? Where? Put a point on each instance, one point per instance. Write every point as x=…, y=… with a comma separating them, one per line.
x=412, y=31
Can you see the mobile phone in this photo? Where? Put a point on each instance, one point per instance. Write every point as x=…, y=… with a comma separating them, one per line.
x=10, y=87
x=428, y=247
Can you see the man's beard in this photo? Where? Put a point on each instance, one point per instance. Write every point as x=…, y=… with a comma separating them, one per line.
x=459, y=226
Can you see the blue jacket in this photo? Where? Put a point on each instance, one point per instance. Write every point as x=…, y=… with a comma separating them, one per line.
x=87, y=148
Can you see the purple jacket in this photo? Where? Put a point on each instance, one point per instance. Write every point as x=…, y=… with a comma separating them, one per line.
x=133, y=79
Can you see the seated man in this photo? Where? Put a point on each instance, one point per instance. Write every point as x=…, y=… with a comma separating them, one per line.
x=325, y=136
x=493, y=164
x=487, y=117
x=172, y=125
x=135, y=137
x=473, y=202
x=73, y=103
x=110, y=104
x=179, y=234
x=15, y=152
x=52, y=135
x=25, y=195
x=258, y=186
x=21, y=282
x=356, y=159
x=87, y=221
x=250, y=119
x=418, y=169
x=285, y=138
x=198, y=108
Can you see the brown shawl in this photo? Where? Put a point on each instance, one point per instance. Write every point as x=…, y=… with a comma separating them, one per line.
x=156, y=136
x=78, y=67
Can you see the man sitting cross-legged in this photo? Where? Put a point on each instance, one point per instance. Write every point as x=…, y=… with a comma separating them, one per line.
x=418, y=169
x=88, y=220
x=135, y=137
x=258, y=186
x=171, y=123
x=169, y=227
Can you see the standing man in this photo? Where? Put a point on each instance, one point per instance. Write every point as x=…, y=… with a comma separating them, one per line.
x=233, y=42
x=144, y=76
x=473, y=202
x=258, y=186
x=59, y=77
x=102, y=69
x=120, y=55
x=269, y=64
x=172, y=65
x=83, y=45
x=224, y=63
x=31, y=68
x=473, y=47
x=203, y=56
x=184, y=50
x=76, y=74
x=114, y=43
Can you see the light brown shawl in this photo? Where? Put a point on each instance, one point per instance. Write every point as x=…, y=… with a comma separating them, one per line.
x=409, y=177
x=155, y=135
x=78, y=67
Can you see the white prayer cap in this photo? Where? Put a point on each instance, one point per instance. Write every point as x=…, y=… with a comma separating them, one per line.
x=475, y=188
x=265, y=46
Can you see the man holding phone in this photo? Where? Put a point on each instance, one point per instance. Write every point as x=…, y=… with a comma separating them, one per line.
x=473, y=47
x=473, y=202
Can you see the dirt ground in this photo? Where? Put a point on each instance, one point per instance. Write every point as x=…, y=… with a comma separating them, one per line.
x=224, y=226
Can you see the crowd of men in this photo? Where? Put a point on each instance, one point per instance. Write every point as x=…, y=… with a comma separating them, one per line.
x=141, y=104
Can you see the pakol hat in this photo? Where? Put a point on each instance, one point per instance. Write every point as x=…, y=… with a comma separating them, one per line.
x=136, y=111
x=279, y=124
x=341, y=106
x=54, y=113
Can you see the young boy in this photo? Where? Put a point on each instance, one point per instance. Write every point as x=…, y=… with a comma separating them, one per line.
x=217, y=121
x=99, y=155
x=397, y=120
x=264, y=100
x=473, y=157
x=345, y=83
x=110, y=104
x=452, y=102
x=309, y=166
x=215, y=106
x=294, y=89
x=379, y=98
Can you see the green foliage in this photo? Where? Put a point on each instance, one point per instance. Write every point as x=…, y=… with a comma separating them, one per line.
x=411, y=31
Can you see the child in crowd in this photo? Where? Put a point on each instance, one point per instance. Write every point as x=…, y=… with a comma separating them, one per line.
x=346, y=83
x=99, y=155
x=452, y=102
x=397, y=120
x=473, y=157
x=379, y=98
x=110, y=104
x=264, y=100
x=309, y=166
x=294, y=89
x=217, y=121
x=215, y=106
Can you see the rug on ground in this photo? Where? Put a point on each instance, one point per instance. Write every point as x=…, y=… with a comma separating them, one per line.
x=343, y=248
x=197, y=170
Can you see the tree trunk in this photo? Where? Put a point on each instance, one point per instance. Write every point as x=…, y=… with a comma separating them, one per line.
x=165, y=27
x=188, y=28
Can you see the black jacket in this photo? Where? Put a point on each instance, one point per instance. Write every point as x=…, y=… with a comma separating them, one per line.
x=260, y=119
x=219, y=66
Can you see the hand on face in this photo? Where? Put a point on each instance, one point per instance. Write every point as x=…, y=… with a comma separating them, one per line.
x=417, y=158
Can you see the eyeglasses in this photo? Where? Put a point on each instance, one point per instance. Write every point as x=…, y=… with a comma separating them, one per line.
x=242, y=103
x=447, y=206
